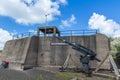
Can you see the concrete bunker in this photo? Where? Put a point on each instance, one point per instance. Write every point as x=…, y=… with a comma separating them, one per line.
x=34, y=51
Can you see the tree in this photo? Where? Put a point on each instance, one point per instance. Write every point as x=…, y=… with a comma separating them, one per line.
x=115, y=46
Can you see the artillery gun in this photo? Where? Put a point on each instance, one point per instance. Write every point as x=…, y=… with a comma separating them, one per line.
x=87, y=53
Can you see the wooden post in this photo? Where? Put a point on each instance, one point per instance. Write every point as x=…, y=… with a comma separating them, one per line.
x=116, y=70
x=101, y=63
x=104, y=75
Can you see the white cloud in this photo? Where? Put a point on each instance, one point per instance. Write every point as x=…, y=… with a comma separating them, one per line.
x=106, y=26
x=4, y=36
x=62, y=1
x=30, y=11
x=27, y=1
x=72, y=19
x=69, y=22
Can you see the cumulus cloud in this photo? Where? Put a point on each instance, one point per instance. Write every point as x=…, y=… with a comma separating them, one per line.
x=62, y=1
x=4, y=36
x=69, y=22
x=30, y=11
x=105, y=26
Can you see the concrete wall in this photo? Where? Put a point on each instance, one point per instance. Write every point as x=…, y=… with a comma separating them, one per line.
x=34, y=51
x=102, y=49
x=56, y=55
x=17, y=52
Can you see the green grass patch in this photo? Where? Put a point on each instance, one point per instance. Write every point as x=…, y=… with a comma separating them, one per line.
x=40, y=77
x=85, y=79
x=65, y=76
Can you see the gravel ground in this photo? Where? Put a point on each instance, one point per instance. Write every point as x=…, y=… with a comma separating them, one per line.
x=7, y=74
x=32, y=74
x=37, y=74
x=46, y=75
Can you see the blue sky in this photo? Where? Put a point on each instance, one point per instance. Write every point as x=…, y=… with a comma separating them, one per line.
x=18, y=16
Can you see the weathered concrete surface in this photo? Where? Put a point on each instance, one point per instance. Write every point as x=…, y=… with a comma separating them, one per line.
x=20, y=52
x=56, y=55
x=37, y=51
x=39, y=74
x=102, y=49
x=32, y=52
x=16, y=50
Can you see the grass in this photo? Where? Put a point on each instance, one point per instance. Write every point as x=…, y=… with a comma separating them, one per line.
x=40, y=77
x=65, y=76
x=85, y=79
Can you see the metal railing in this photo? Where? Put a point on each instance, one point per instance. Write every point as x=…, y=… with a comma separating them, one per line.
x=78, y=32
x=62, y=33
x=23, y=35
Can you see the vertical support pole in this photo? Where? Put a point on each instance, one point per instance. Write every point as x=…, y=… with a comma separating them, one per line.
x=38, y=32
x=59, y=36
x=84, y=37
x=45, y=33
x=46, y=26
x=54, y=33
x=71, y=36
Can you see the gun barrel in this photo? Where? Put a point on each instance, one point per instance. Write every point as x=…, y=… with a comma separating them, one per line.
x=81, y=49
x=60, y=39
x=97, y=59
x=72, y=44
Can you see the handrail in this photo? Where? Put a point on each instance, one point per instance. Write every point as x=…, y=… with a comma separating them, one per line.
x=62, y=33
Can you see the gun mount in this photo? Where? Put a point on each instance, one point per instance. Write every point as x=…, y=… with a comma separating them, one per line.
x=88, y=54
x=82, y=49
